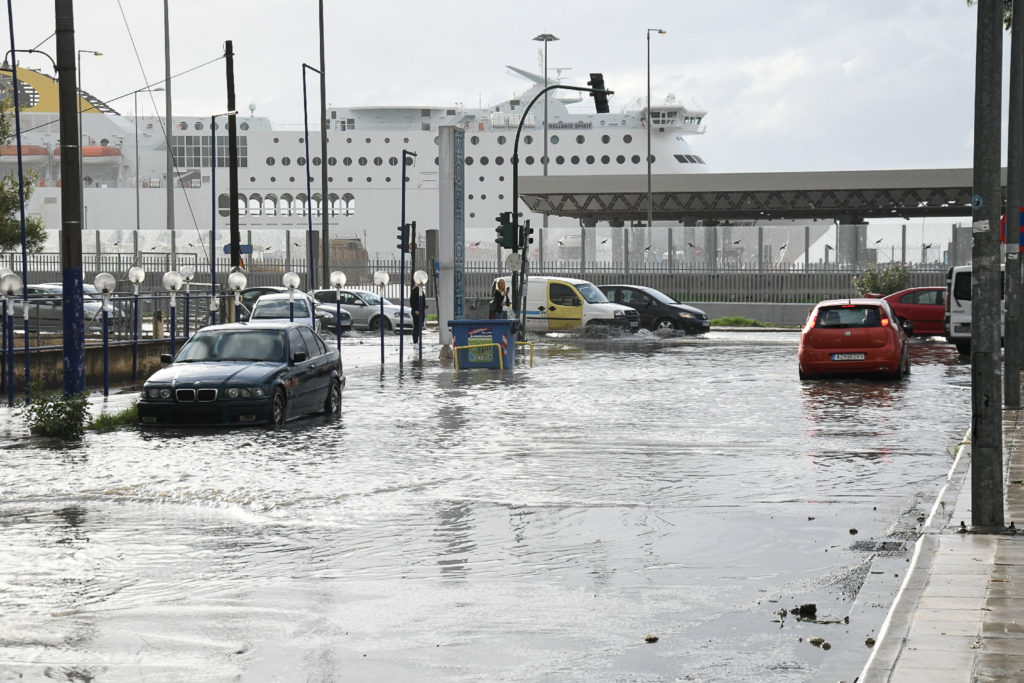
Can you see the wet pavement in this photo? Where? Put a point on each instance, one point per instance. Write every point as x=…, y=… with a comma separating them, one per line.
x=532, y=525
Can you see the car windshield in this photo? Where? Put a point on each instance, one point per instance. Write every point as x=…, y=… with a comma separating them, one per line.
x=280, y=309
x=849, y=316
x=251, y=345
x=369, y=297
x=591, y=293
x=661, y=296
x=91, y=292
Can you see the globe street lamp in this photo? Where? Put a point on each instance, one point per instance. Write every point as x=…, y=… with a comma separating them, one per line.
x=236, y=283
x=106, y=283
x=650, y=207
x=188, y=273
x=291, y=281
x=380, y=278
x=338, y=280
x=172, y=283
x=136, y=276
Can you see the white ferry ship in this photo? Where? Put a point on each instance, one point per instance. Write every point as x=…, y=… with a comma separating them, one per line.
x=125, y=156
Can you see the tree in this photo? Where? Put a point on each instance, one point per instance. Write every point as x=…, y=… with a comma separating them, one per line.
x=882, y=281
x=10, y=206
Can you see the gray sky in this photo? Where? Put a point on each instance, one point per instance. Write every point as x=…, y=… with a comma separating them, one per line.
x=788, y=84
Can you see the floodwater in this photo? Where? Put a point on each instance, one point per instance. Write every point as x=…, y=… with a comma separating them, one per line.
x=533, y=525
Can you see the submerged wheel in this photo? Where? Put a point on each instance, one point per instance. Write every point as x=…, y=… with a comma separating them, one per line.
x=964, y=347
x=332, y=404
x=665, y=324
x=801, y=372
x=278, y=408
x=375, y=324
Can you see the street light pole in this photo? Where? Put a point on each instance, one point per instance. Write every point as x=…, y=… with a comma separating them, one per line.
x=81, y=132
x=545, y=38
x=650, y=206
x=213, y=215
x=311, y=266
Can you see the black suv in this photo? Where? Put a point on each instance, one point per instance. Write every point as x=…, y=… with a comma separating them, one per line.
x=658, y=311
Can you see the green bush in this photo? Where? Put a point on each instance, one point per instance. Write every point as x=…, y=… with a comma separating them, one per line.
x=882, y=281
x=107, y=422
x=54, y=414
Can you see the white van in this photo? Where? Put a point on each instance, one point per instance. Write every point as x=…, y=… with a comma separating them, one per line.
x=565, y=303
x=957, y=321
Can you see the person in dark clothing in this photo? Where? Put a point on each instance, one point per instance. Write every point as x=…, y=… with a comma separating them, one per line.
x=414, y=304
x=500, y=303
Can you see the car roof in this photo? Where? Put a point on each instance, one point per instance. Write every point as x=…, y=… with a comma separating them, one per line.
x=277, y=296
x=570, y=280
x=623, y=284
x=851, y=302
x=269, y=324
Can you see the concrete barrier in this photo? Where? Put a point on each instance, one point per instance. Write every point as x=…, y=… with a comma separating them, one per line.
x=46, y=364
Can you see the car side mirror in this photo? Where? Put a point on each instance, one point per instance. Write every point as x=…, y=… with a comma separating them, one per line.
x=321, y=315
x=299, y=357
x=907, y=325
x=165, y=358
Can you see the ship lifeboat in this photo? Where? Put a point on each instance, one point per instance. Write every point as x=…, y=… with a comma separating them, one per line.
x=99, y=155
x=32, y=156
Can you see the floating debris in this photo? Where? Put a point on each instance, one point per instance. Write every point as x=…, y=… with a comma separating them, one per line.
x=650, y=639
x=816, y=642
x=870, y=642
x=853, y=532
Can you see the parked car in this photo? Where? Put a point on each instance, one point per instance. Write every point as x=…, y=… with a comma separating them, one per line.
x=299, y=307
x=555, y=304
x=244, y=373
x=364, y=307
x=248, y=298
x=46, y=307
x=659, y=311
x=853, y=337
x=925, y=307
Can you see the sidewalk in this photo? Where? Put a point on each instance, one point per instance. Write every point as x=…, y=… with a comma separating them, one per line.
x=960, y=613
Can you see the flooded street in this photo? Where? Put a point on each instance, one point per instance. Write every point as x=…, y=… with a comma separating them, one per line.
x=525, y=526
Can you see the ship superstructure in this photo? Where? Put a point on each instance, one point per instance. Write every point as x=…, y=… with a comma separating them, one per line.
x=365, y=147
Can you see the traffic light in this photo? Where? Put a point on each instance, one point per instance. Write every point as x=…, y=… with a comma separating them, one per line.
x=506, y=230
x=411, y=237
x=527, y=234
x=403, y=238
x=600, y=98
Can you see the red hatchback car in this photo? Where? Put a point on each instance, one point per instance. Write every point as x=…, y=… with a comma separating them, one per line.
x=853, y=337
x=923, y=306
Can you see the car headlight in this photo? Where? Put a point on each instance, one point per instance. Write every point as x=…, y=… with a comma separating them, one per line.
x=619, y=314
x=245, y=392
x=684, y=314
x=157, y=392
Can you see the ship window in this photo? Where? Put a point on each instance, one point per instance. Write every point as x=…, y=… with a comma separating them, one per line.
x=244, y=126
x=575, y=160
x=362, y=161
x=367, y=140
x=605, y=139
x=301, y=205
x=501, y=196
x=348, y=204
x=620, y=159
x=182, y=126
x=332, y=204
x=483, y=196
x=514, y=103
x=469, y=161
x=351, y=124
x=699, y=160
x=580, y=139
x=331, y=161
x=301, y=140
x=301, y=161
x=387, y=179
x=590, y=158
x=273, y=179
x=270, y=161
x=472, y=214
x=554, y=139
x=692, y=159
x=653, y=158
x=529, y=161
x=317, y=204
x=474, y=140
x=559, y=160
x=405, y=140
x=409, y=161
x=424, y=112
x=349, y=179
x=437, y=161
x=369, y=179
x=681, y=159
x=255, y=205
x=252, y=179
x=501, y=139
x=334, y=114
x=484, y=161
x=377, y=161
x=481, y=179
x=393, y=161
x=627, y=139
x=636, y=159
x=291, y=179
x=316, y=161
x=287, y=204
x=276, y=140
x=469, y=196
x=270, y=205
x=528, y=139
x=222, y=204
x=605, y=159
x=286, y=161
x=387, y=140
x=499, y=160
x=425, y=126
x=347, y=161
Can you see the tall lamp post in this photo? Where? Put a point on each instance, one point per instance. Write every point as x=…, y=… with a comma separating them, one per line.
x=137, y=276
x=213, y=214
x=650, y=206
x=381, y=279
x=545, y=38
x=81, y=133
x=138, y=179
x=106, y=283
x=309, y=180
x=338, y=280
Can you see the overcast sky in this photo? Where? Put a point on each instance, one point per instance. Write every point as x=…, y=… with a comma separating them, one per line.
x=789, y=85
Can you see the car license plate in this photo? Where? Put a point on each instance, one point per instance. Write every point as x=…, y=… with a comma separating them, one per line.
x=848, y=356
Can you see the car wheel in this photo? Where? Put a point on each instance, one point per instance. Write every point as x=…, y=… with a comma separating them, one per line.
x=964, y=347
x=332, y=406
x=375, y=324
x=278, y=408
x=906, y=368
x=665, y=324
x=801, y=372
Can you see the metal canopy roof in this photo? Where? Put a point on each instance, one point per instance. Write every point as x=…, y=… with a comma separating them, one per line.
x=730, y=196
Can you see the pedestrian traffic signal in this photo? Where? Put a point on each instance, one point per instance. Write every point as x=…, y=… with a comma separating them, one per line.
x=527, y=233
x=599, y=94
x=403, y=238
x=506, y=230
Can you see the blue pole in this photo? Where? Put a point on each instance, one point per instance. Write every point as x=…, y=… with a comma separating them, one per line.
x=21, y=193
x=291, y=305
x=401, y=272
x=213, y=218
x=173, y=323
x=337, y=319
x=106, y=350
x=10, y=355
x=135, y=340
x=423, y=312
x=3, y=347
x=187, y=312
x=380, y=322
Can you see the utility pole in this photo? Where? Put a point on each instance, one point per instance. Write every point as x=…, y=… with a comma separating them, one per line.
x=1013, y=351
x=325, y=204
x=986, y=387
x=71, y=203
x=236, y=255
x=169, y=121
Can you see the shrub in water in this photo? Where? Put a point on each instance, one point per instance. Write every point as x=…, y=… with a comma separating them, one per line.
x=882, y=281
x=54, y=414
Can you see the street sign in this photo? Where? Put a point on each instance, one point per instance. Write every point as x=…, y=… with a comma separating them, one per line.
x=242, y=248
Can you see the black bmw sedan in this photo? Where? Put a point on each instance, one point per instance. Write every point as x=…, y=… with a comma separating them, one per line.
x=244, y=373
